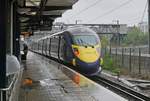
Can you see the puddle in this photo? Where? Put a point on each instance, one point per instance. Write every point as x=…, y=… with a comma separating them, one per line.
x=47, y=82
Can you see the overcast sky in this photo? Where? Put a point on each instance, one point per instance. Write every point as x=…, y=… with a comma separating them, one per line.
x=106, y=11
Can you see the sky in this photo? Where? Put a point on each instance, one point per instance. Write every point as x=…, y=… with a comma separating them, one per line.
x=128, y=12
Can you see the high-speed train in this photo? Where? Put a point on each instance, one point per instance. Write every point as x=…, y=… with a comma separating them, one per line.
x=79, y=46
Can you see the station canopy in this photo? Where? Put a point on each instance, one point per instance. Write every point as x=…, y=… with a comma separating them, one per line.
x=40, y=14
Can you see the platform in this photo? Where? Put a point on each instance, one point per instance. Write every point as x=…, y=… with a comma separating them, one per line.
x=51, y=84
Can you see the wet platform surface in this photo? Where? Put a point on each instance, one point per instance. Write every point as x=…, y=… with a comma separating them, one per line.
x=50, y=84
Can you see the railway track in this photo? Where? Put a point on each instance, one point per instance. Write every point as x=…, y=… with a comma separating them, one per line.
x=126, y=92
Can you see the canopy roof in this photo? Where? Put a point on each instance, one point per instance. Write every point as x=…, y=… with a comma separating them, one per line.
x=40, y=14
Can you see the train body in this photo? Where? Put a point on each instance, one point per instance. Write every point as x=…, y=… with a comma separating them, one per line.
x=79, y=46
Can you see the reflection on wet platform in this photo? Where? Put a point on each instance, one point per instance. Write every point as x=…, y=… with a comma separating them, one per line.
x=52, y=81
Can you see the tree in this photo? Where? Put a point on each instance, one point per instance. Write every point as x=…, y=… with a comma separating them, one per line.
x=104, y=41
x=136, y=37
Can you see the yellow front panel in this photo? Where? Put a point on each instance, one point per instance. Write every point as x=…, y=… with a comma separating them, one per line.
x=88, y=54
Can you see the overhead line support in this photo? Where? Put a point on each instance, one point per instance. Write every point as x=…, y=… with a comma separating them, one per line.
x=149, y=26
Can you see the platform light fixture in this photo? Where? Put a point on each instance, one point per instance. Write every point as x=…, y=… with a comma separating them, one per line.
x=33, y=2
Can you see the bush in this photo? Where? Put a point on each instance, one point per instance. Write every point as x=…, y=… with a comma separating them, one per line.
x=104, y=41
x=109, y=64
x=136, y=37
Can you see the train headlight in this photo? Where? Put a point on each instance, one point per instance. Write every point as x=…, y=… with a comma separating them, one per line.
x=76, y=51
x=74, y=62
x=101, y=61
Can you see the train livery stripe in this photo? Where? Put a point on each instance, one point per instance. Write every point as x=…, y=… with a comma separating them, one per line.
x=87, y=54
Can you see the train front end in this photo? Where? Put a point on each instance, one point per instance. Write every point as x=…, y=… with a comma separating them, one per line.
x=86, y=48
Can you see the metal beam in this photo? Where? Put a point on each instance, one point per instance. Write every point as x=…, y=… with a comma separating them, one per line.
x=94, y=25
x=42, y=5
x=34, y=16
x=3, y=36
x=27, y=27
x=103, y=28
x=149, y=26
x=16, y=32
x=47, y=8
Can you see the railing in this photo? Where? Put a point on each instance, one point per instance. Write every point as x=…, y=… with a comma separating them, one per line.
x=11, y=92
x=132, y=61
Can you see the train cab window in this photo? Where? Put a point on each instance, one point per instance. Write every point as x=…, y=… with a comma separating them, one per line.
x=85, y=40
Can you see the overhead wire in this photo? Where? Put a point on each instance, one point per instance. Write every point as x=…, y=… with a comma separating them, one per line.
x=142, y=18
x=136, y=20
x=146, y=5
x=110, y=11
x=88, y=7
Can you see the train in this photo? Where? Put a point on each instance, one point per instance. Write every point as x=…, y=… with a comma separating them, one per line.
x=79, y=46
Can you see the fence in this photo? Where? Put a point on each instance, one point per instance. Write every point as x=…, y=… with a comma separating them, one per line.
x=131, y=60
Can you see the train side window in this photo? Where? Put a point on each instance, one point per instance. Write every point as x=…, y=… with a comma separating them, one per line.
x=47, y=46
x=69, y=54
x=62, y=42
x=40, y=46
x=44, y=46
x=54, y=43
x=46, y=40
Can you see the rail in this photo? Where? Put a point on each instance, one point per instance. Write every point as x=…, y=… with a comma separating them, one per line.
x=120, y=89
x=9, y=93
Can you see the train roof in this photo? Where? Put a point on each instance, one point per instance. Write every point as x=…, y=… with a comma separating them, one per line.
x=50, y=35
x=79, y=30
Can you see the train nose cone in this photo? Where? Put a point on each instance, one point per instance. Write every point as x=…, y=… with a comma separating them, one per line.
x=88, y=68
